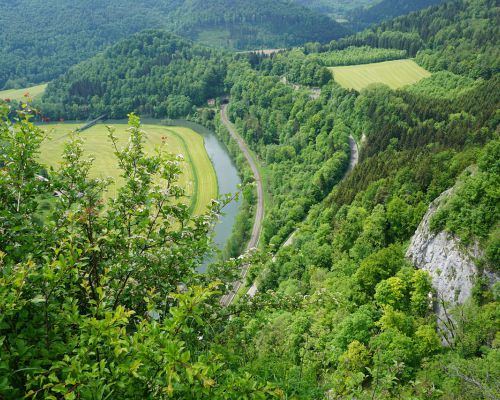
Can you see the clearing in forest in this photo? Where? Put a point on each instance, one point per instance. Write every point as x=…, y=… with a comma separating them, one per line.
x=394, y=74
x=198, y=179
x=19, y=94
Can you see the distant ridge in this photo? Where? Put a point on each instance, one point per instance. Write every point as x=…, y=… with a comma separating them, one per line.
x=41, y=39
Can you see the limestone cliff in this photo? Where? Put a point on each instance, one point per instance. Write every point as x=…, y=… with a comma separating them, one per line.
x=452, y=266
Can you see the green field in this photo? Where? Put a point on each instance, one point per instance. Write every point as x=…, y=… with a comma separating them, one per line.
x=199, y=178
x=394, y=74
x=19, y=94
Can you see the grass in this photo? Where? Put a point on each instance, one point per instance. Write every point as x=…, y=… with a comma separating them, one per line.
x=199, y=178
x=203, y=172
x=18, y=94
x=395, y=74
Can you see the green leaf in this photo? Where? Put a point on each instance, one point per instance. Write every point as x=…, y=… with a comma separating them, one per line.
x=38, y=299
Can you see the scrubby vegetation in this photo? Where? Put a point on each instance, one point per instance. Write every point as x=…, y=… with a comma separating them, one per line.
x=91, y=302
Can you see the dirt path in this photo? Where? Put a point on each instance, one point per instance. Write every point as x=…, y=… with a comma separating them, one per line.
x=353, y=161
x=259, y=214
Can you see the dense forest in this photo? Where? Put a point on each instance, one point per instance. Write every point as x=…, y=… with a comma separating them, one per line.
x=340, y=313
x=362, y=17
x=338, y=9
x=40, y=40
x=359, y=14
x=152, y=73
x=257, y=24
x=354, y=311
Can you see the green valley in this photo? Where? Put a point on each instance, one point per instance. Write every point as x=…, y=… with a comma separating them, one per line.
x=361, y=256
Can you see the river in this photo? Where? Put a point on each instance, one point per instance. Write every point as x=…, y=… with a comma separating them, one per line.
x=228, y=181
x=227, y=177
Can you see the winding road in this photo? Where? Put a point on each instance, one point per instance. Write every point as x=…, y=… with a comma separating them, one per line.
x=353, y=161
x=259, y=214
x=354, y=154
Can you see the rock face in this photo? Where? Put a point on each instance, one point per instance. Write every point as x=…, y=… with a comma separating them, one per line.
x=452, y=268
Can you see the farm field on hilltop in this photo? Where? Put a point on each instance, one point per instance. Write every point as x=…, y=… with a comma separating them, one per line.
x=18, y=94
x=199, y=178
x=394, y=74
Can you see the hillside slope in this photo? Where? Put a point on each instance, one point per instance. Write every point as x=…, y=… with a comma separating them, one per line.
x=387, y=9
x=338, y=9
x=242, y=24
x=40, y=40
x=152, y=73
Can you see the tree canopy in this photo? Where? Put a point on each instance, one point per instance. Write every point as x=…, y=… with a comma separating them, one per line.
x=40, y=40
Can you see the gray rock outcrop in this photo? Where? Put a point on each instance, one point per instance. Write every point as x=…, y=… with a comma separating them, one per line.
x=452, y=271
x=452, y=266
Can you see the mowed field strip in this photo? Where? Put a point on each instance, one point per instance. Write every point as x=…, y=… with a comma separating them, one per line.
x=198, y=178
x=394, y=74
x=18, y=94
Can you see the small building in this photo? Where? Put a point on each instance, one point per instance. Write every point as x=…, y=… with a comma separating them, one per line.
x=211, y=102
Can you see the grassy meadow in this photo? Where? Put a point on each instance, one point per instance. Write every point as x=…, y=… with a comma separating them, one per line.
x=395, y=74
x=199, y=178
x=19, y=94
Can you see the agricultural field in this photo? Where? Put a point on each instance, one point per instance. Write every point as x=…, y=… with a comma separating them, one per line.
x=19, y=94
x=199, y=178
x=394, y=74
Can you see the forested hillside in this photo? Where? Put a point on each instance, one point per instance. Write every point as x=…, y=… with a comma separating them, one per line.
x=257, y=24
x=386, y=9
x=342, y=309
x=358, y=14
x=152, y=73
x=40, y=40
x=338, y=9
